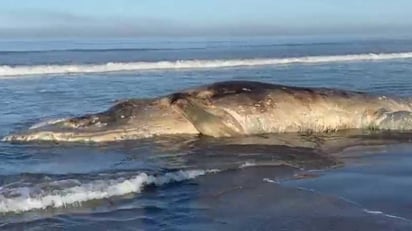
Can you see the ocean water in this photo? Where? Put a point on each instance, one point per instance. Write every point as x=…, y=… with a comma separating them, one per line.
x=340, y=181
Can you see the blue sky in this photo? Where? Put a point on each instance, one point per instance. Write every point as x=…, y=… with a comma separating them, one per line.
x=130, y=18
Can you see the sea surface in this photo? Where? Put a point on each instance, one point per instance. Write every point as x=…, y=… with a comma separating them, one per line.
x=335, y=181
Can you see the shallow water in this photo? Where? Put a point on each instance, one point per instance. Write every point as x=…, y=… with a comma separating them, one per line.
x=341, y=181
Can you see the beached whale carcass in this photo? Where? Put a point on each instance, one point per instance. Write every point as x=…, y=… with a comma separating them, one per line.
x=231, y=108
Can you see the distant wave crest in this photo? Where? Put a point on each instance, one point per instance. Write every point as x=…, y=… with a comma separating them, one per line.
x=6, y=70
x=61, y=193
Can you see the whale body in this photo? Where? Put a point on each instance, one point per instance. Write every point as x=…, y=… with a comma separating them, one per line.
x=231, y=108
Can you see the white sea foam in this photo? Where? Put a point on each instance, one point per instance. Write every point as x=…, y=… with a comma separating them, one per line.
x=267, y=180
x=247, y=164
x=74, y=192
x=377, y=212
x=6, y=70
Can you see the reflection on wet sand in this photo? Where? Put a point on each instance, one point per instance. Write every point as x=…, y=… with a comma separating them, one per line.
x=300, y=151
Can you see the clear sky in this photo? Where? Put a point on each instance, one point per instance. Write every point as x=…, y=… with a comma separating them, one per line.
x=125, y=18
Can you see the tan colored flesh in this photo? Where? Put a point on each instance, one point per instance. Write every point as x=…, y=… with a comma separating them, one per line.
x=216, y=123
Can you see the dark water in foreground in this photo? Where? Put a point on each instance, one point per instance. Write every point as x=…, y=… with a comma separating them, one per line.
x=343, y=181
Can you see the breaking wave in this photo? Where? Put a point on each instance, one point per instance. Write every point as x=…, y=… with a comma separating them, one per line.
x=61, y=193
x=6, y=70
